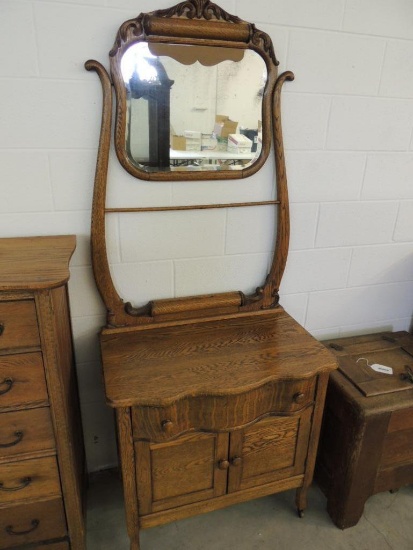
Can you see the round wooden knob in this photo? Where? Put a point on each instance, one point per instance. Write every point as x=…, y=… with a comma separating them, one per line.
x=298, y=397
x=167, y=426
x=223, y=464
x=236, y=461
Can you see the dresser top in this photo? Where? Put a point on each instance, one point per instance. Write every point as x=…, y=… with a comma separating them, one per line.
x=158, y=365
x=35, y=263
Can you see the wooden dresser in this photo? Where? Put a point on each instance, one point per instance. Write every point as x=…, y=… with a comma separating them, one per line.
x=41, y=447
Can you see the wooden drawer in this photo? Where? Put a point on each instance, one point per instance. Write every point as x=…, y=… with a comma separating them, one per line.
x=22, y=380
x=221, y=413
x=63, y=545
x=28, y=431
x=28, y=523
x=35, y=478
x=18, y=325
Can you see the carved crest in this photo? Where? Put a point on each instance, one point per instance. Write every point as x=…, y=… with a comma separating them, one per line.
x=191, y=9
x=198, y=9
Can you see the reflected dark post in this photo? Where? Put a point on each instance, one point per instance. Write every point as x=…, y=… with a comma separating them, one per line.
x=157, y=91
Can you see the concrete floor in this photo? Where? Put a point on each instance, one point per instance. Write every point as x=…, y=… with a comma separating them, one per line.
x=268, y=523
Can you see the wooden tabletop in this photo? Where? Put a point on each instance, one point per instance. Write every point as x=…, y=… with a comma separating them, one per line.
x=33, y=263
x=156, y=365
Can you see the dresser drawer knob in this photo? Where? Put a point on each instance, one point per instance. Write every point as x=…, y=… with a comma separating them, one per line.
x=167, y=426
x=298, y=397
x=236, y=461
x=34, y=525
x=19, y=437
x=223, y=464
x=25, y=482
x=6, y=382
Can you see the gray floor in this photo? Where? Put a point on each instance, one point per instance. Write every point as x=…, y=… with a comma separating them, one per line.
x=263, y=524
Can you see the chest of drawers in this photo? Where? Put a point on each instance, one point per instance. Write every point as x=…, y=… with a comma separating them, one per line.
x=41, y=450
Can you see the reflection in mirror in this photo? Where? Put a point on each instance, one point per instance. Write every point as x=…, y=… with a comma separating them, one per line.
x=192, y=107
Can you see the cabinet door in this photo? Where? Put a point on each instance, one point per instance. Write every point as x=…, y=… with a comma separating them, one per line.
x=272, y=449
x=189, y=469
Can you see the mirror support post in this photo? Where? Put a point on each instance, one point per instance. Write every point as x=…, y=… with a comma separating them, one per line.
x=279, y=261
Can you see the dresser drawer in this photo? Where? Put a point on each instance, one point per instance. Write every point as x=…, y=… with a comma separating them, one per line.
x=26, y=432
x=221, y=413
x=27, y=523
x=35, y=478
x=18, y=325
x=22, y=380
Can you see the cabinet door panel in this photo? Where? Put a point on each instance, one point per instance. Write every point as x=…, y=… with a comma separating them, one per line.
x=271, y=449
x=180, y=472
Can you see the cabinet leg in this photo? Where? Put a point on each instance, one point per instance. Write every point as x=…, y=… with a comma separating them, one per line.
x=301, y=500
x=134, y=544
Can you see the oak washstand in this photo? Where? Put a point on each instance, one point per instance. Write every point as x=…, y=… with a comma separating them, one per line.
x=218, y=397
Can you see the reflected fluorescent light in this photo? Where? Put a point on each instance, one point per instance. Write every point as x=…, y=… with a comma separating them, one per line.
x=136, y=59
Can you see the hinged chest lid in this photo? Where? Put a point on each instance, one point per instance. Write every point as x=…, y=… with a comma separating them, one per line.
x=390, y=349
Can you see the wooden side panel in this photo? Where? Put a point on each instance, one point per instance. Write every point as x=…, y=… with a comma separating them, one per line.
x=127, y=462
x=62, y=385
x=189, y=469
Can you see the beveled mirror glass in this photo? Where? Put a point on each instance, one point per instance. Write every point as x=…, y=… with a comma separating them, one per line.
x=192, y=108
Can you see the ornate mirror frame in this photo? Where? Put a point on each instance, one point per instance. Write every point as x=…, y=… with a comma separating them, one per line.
x=193, y=22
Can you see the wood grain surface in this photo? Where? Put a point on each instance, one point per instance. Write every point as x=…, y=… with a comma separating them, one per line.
x=31, y=263
x=161, y=365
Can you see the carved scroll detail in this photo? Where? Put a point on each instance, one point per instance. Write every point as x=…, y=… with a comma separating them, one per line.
x=263, y=41
x=133, y=28
x=198, y=9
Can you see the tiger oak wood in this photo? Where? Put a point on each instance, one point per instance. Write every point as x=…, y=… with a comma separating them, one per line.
x=25, y=371
x=41, y=444
x=17, y=527
x=36, y=429
x=218, y=397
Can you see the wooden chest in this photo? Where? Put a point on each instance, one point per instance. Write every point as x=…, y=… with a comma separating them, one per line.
x=41, y=450
x=366, y=444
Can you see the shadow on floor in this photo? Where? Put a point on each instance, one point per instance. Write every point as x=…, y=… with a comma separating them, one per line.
x=269, y=523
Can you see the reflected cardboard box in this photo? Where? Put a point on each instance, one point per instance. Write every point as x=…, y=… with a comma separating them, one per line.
x=178, y=143
x=224, y=126
x=239, y=144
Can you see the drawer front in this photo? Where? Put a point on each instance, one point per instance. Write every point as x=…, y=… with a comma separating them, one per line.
x=18, y=325
x=221, y=413
x=26, y=432
x=34, y=478
x=29, y=523
x=22, y=380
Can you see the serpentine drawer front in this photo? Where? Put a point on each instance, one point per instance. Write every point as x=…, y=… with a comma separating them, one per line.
x=41, y=451
x=221, y=413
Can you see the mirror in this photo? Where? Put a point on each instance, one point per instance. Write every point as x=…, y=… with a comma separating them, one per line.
x=194, y=88
x=192, y=108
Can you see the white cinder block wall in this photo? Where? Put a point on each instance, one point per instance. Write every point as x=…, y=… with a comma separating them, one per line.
x=348, y=121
